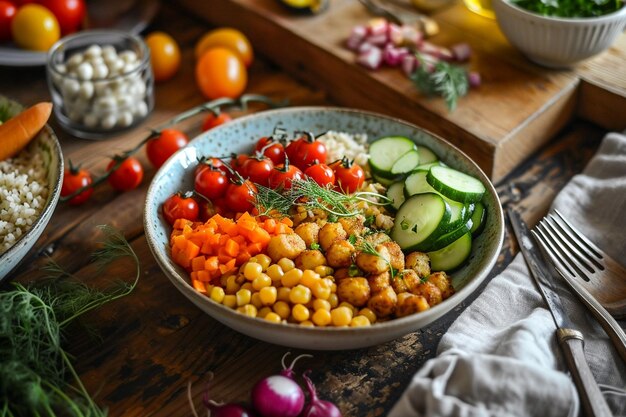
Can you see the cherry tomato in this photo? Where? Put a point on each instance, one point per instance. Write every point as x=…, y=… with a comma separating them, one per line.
x=180, y=207
x=220, y=73
x=305, y=151
x=321, y=174
x=164, y=55
x=73, y=180
x=211, y=120
x=284, y=175
x=69, y=13
x=127, y=176
x=240, y=196
x=237, y=163
x=216, y=163
x=211, y=183
x=35, y=28
x=350, y=176
x=165, y=145
x=258, y=170
x=227, y=38
x=271, y=148
x=7, y=12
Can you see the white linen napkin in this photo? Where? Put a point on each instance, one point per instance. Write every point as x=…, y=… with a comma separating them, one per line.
x=501, y=356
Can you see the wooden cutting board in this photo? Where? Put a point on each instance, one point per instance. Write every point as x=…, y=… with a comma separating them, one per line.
x=518, y=107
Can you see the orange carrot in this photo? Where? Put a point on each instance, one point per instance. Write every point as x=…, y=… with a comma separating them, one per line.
x=18, y=131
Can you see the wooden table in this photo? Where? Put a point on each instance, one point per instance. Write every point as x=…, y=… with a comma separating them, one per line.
x=154, y=341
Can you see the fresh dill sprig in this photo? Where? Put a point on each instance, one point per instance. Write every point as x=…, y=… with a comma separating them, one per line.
x=272, y=203
x=441, y=78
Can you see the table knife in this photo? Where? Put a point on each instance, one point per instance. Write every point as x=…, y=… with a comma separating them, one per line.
x=570, y=339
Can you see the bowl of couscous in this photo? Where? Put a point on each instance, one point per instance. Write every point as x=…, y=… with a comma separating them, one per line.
x=30, y=185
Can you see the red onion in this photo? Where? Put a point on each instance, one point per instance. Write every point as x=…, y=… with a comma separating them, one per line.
x=372, y=58
x=356, y=37
x=317, y=407
x=394, y=34
x=217, y=409
x=474, y=80
x=364, y=47
x=378, y=26
x=461, y=51
x=435, y=51
x=411, y=36
x=409, y=64
x=392, y=56
x=378, y=40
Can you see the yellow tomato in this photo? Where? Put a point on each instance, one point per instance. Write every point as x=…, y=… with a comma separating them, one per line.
x=164, y=55
x=228, y=38
x=34, y=27
x=220, y=73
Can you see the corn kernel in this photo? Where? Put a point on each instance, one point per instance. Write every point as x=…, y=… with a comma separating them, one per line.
x=321, y=290
x=283, y=294
x=320, y=304
x=286, y=264
x=252, y=259
x=291, y=278
x=263, y=260
x=275, y=272
x=252, y=270
x=309, y=278
x=231, y=286
x=350, y=306
x=249, y=310
x=333, y=299
x=264, y=312
x=243, y=297
x=324, y=270
x=371, y=316
x=268, y=295
x=223, y=280
x=230, y=300
x=359, y=321
x=282, y=309
x=300, y=295
x=341, y=316
x=247, y=286
x=307, y=323
x=255, y=300
x=261, y=281
x=300, y=312
x=321, y=317
x=333, y=288
x=240, y=278
x=217, y=294
x=273, y=317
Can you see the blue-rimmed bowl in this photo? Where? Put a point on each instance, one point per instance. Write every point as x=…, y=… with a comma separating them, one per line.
x=240, y=135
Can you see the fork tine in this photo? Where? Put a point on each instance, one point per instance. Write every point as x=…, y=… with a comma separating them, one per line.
x=585, y=259
x=592, y=246
x=557, y=260
x=574, y=267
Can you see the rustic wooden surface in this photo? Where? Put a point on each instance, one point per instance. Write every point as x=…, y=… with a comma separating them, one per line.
x=519, y=106
x=150, y=344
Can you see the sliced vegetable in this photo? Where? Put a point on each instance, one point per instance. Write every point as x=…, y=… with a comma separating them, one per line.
x=395, y=193
x=384, y=152
x=427, y=156
x=455, y=185
x=416, y=183
x=478, y=219
x=18, y=131
x=442, y=238
x=453, y=255
x=419, y=217
x=406, y=163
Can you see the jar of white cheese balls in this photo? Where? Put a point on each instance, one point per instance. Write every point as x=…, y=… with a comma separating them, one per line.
x=101, y=82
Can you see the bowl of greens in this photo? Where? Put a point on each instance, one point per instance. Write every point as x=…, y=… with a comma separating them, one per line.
x=560, y=33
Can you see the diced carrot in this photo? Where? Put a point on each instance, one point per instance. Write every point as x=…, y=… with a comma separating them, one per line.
x=199, y=286
x=180, y=242
x=255, y=248
x=246, y=217
x=204, y=276
x=243, y=257
x=197, y=263
x=231, y=248
x=247, y=225
x=229, y=266
x=212, y=263
x=191, y=251
x=269, y=225
x=223, y=240
x=240, y=239
x=180, y=223
x=224, y=258
x=286, y=221
x=260, y=235
x=281, y=228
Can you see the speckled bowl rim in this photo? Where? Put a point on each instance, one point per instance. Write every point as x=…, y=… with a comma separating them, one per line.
x=616, y=15
x=54, y=191
x=435, y=312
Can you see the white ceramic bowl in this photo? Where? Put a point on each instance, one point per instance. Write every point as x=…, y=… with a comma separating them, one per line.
x=239, y=136
x=48, y=145
x=557, y=42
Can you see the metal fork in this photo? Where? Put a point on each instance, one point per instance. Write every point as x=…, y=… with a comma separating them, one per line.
x=580, y=262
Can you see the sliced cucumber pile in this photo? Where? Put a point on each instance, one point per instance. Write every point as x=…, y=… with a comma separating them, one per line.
x=439, y=209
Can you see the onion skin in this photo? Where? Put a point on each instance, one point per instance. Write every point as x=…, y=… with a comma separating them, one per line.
x=277, y=396
x=317, y=407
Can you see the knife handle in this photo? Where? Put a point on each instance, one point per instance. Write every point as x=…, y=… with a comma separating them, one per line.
x=593, y=401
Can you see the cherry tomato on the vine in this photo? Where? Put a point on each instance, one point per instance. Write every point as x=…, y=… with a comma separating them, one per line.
x=211, y=120
x=350, y=176
x=271, y=148
x=69, y=13
x=164, y=55
x=211, y=183
x=237, y=163
x=73, y=180
x=258, y=170
x=321, y=174
x=240, y=196
x=284, y=175
x=165, y=145
x=7, y=11
x=180, y=207
x=127, y=176
x=305, y=150
x=220, y=73
x=208, y=163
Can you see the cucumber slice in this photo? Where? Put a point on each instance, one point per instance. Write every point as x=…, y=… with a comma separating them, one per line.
x=426, y=155
x=426, y=167
x=416, y=184
x=478, y=219
x=381, y=180
x=395, y=193
x=459, y=214
x=455, y=185
x=386, y=151
x=436, y=242
x=419, y=217
x=406, y=163
x=451, y=256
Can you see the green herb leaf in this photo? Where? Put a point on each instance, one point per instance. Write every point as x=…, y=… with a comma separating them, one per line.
x=445, y=80
x=571, y=8
x=315, y=246
x=352, y=239
x=354, y=271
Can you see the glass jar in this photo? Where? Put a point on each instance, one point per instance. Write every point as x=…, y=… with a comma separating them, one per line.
x=101, y=82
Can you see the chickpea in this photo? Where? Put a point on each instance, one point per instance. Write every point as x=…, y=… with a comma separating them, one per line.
x=309, y=232
x=430, y=292
x=419, y=262
x=442, y=281
x=310, y=259
x=374, y=264
x=285, y=246
x=331, y=233
x=405, y=281
x=383, y=304
x=341, y=273
x=379, y=282
x=339, y=254
x=355, y=291
x=354, y=225
x=377, y=238
x=410, y=304
x=396, y=255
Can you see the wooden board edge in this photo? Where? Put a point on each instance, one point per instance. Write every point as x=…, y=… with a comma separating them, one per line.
x=602, y=105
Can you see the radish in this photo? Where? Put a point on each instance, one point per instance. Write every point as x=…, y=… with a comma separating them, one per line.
x=279, y=395
x=217, y=409
x=317, y=407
